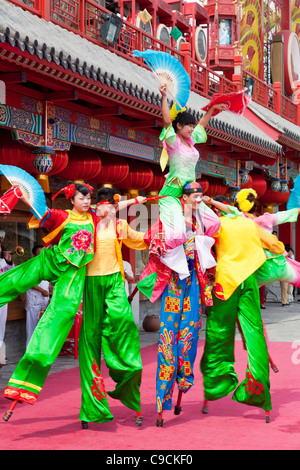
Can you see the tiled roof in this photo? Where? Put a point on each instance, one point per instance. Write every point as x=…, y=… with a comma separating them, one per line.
x=45, y=39
x=287, y=128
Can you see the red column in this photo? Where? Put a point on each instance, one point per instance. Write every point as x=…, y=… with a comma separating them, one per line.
x=286, y=12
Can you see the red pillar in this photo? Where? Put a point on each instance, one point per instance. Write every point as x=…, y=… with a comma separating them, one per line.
x=286, y=12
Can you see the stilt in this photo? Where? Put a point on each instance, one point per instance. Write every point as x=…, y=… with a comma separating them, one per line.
x=10, y=410
x=177, y=409
x=84, y=424
x=268, y=418
x=138, y=419
x=160, y=421
x=273, y=365
x=205, y=407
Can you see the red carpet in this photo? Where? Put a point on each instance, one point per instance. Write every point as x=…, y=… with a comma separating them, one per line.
x=52, y=423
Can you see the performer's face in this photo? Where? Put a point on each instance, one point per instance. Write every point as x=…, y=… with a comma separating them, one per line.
x=185, y=131
x=106, y=211
x=193, y=199
x=81, y=203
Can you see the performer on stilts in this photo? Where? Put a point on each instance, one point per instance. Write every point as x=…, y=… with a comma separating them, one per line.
x=180, y=134
x=235, y=295
x=108, y=322
x=72, y=234
x=278, y=266
x=182, y=298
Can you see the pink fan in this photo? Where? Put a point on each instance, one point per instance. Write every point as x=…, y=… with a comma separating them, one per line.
x=237, y=102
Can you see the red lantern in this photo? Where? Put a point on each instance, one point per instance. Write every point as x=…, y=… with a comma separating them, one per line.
x=114, y=170
x=84, y=164
x=158, y=179
x=204, y=184
x=259, y=184
x=216, y=187
x=249, y=183
x=12, y=152
x=59, y=159
x=140, y=176
x=274, y=197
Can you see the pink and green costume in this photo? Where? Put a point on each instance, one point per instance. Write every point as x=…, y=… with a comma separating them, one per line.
x=182, y=163
x=65, y=266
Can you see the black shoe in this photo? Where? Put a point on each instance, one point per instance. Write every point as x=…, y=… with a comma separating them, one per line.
x=84, y=424
x=262, y=306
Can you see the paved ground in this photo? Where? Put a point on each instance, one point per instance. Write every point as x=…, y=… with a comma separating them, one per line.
x=282, y=324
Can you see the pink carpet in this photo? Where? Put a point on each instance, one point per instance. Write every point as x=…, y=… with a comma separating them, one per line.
x=52, y=423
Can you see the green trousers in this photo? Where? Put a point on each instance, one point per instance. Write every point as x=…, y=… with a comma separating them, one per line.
x=54, y=326
x=217, y=363
x=108, y=324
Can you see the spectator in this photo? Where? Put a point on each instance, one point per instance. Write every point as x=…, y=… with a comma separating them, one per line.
x=128, y=275
x=285, y=286
x=5, y=264
x=36, y=299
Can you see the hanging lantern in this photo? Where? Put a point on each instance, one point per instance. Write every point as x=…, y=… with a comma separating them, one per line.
x=42, y=161
x=216, y=188
x=259, y=184
x=12, y=153
x=140, y=177
x=275, y=184
x=83, y=165
x=114, y=170
x=156, y=184
x=248, y=183
x=274, y=197
x=233, y=192
x=204, y=184
x=284, y=186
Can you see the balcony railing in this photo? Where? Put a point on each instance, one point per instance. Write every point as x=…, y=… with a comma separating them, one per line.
x=84, y=18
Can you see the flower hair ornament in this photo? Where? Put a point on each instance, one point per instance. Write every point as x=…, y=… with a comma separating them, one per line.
x=242, y=199
x=70, y=190
x=116, y=200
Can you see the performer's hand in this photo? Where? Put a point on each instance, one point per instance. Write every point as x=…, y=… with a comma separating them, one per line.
x=141, y=199
x=220, y=107
x=206, y=199
x=163, y=90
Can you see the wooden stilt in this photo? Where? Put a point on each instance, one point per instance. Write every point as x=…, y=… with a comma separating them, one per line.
x=177, y=409
x=10, y=410
x=160, y=421
x=138, y=419
x=273, y=365
x=205, y=407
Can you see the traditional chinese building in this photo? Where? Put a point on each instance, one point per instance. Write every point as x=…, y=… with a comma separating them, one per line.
x=75, y=105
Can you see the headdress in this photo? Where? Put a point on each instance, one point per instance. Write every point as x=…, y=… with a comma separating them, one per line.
x=70, y=190
x=116, y=199
x=192, y=187
x=242, y=199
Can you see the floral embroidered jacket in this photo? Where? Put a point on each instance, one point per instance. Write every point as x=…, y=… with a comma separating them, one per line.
x=56, y=220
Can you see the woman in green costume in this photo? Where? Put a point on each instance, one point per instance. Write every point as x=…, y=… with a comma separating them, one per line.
x=72, y=237
x=236, y=296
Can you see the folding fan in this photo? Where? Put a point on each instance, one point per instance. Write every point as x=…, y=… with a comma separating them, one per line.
x=236, y=101
x=32, y=191
x=170, y=72
x=294, y=199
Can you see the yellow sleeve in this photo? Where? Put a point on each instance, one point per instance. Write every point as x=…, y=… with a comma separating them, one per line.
x=132, y=238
